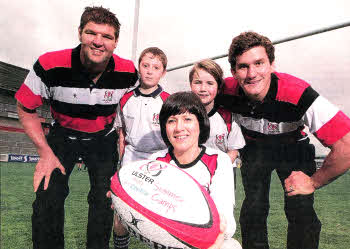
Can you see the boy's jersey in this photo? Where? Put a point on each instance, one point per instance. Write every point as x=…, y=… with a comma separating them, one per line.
x=212, y=169
x=138, y=115
x=225, y=134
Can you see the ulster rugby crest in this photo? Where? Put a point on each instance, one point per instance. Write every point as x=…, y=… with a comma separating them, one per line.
x=155, y=119
x=108, y=97
x=272, y=128
x=220, y=139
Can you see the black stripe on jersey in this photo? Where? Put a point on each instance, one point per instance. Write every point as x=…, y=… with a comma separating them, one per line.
x=250, y=135
x=83, y=111
x=67, y=77
x=272, y=110
x=275, y=111
x=118, y=80
x=40, y=72
x=307, y=98
x=60, y=76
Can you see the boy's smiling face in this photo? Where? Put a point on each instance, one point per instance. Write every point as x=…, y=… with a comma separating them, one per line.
x=151, y=71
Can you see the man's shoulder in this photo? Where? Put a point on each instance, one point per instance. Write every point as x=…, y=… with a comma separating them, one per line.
x=231, y=86
x=290, y=88
x=123, y=65
x=288, y=79
x=126, y=97
x=60, y=58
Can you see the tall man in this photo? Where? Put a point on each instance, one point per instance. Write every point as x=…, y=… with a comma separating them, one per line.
x=83, y=86
x=273, y=109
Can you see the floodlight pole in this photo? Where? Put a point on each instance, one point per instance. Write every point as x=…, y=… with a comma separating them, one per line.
x=290, y=38
x=136, y=26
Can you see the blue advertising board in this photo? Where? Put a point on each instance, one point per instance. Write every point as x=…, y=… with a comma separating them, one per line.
x=23, y=158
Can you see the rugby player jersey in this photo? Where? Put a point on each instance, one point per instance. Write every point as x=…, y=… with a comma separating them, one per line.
x=76, y=102
x=225, y=133
x=289, y=106
x=138, y=115
x=212, y=169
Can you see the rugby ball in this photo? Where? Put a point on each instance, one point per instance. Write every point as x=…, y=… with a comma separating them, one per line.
x=163, y=206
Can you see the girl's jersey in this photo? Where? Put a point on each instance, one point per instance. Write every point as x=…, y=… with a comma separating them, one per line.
x=225, y=134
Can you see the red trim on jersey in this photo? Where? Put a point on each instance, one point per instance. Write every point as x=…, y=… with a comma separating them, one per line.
x=123, y=65
x=211, y=162
x=54, y=59
x=164, y=95
x=27, y=98
x=231, y=86
x=290, y=88
x=334, y=129
x=84, y=125
x=125, y=99
x=227, y=117
x=166, y=158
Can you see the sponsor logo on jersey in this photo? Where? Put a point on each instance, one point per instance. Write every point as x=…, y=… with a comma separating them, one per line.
x=272, y=128
x=108, y=97
x=155, y=119
x=220, y=138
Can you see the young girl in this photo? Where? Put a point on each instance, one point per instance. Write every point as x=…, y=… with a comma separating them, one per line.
x=185, y=126
x=206, y=81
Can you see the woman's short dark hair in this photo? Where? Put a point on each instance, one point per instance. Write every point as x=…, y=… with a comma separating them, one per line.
x=182, y=102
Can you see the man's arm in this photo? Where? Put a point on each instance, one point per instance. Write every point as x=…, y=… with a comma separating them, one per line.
x=48, y=161
x=232, y=154
x=335, y=164
x=121, y=142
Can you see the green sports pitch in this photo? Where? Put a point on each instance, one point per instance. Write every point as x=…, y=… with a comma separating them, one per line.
x=331, y=202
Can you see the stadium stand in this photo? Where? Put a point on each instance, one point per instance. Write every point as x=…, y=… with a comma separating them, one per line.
x=13, y=140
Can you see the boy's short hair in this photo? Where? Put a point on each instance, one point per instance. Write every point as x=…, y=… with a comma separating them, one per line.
x=156, y=52
x=212, y=68
x=182, y=102
x=246, y=41
x=100, y=15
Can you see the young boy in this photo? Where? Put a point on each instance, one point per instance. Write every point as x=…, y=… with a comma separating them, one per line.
x=137, y=120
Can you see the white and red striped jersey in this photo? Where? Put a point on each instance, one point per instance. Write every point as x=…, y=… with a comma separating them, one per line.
x=225, y=134
x=76, y=102
x=138, y=115
x=289, y=106
x=212, y=169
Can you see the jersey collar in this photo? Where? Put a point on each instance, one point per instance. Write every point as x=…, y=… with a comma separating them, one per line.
x=153, y=94
x=188, y=165
x=77, y=66
x=213, y=111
